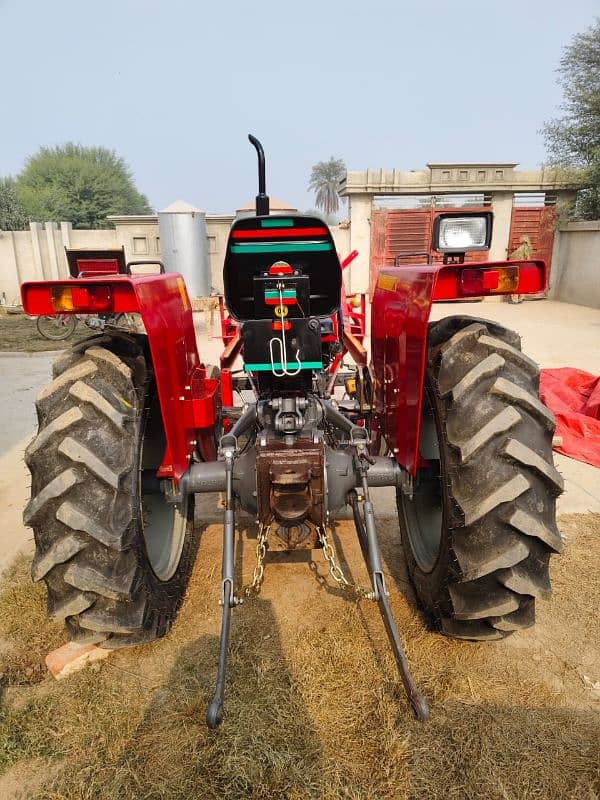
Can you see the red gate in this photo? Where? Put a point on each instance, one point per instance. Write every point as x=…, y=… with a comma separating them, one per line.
x=536, y=223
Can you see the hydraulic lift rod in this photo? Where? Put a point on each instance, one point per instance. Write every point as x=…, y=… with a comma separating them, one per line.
x=370, y=549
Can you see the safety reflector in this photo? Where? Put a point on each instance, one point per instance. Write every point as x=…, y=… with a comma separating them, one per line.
x=281, y=268
x=488, y=281
x=81, y=298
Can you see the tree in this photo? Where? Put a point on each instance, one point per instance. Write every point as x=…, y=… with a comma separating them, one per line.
x=325, y=181
x=573, y=140
x=82, y=185
x=12, y=213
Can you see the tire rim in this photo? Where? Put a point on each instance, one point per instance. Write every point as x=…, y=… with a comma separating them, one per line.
x=423, y=515
x=164, y=527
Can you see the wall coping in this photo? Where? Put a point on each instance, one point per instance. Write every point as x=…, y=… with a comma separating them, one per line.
x=430, y=181
x=584, y=225
x=152, y=219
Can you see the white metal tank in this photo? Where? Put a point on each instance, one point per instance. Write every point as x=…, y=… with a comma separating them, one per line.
x=184, y=246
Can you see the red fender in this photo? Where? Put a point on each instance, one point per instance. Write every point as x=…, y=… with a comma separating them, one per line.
x=399, y=322
x=187, y=397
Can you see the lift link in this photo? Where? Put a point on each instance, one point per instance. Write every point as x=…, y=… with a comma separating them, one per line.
x=367, y=537
x=214, y=714
x=228, y=449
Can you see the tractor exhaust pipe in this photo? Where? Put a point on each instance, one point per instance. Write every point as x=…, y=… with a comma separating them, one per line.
x=262, y=199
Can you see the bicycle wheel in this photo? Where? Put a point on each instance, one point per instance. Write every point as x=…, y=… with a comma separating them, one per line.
x=56, y=327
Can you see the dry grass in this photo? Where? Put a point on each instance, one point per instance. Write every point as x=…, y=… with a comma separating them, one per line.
x=313, y=705
x=19, y=333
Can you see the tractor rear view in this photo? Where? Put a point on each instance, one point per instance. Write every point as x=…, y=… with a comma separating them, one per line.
x=134, y=425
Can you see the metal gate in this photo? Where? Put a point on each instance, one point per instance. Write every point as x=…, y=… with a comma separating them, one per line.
x=403, y=236
x=538, y=225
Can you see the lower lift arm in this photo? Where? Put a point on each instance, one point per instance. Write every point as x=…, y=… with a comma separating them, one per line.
x=229, y=449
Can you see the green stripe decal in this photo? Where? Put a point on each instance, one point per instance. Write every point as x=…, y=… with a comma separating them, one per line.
x=282, y=247
x=277, y=222
x=288, y=293
x=292, y=365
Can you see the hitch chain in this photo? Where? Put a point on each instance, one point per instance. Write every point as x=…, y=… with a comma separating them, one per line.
x=336, y=572
x=253, y=588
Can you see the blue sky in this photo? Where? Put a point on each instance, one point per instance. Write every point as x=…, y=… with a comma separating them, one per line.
x=174, y=87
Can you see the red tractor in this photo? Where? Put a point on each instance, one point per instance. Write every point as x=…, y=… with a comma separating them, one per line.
x=134, y=425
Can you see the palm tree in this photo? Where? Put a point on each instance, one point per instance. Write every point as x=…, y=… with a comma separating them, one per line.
x=325, y=180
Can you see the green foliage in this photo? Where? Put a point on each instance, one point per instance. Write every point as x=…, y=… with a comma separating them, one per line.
x=82, y=185
x=325, y=181
x=573, y=140
x=12, y=214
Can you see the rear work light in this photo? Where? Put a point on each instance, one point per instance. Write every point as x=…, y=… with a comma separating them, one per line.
x=489, y=281
x=456, y=232
x=90, y=299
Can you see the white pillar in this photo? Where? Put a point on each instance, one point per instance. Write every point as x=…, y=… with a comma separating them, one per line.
x=65, y=232
x=502, y=206
x=51, y=228
x=360, y=239
x=38, y=266
x=10, y=277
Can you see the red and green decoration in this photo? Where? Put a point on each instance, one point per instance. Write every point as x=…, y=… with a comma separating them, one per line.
x=280, y=235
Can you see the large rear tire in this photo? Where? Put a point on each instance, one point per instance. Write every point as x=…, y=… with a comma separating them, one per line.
x=115, y=556
x=480, y=527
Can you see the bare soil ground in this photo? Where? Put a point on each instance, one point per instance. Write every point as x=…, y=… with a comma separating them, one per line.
x=313, y=707
x=19, y=333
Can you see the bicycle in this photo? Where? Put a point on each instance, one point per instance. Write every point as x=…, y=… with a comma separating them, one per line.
x=57, y=327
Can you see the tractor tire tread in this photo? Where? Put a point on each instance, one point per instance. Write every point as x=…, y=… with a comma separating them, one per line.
x=499, y=480
x=87, y=528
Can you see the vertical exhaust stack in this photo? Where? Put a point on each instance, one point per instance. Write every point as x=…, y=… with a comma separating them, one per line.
x=262, y=199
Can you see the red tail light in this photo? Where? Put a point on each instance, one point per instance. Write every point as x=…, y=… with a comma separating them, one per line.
x=454, y=281
x=79, y=296
x=484, y=281
x=84, y=299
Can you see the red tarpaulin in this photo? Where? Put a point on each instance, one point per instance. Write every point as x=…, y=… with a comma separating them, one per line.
x=574, y=397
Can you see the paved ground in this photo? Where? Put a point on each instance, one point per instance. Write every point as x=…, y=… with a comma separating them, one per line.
x=23, y=375
x=555, y=334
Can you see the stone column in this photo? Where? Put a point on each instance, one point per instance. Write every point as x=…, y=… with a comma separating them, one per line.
x=65, y=232
x=360, y=239
x=10, y=278
x=51, y=228
x=502, y=206
x=38, y=266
